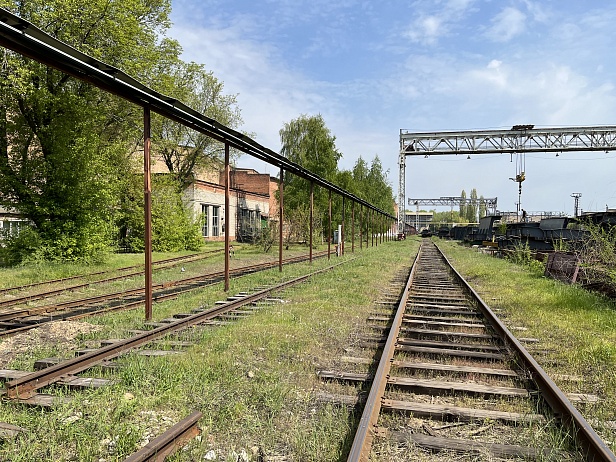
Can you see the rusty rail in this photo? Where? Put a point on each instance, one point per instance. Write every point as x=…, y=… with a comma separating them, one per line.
x=596, y=449
x=192, y=257
x=27, y=386
x=51, y=293
x=161, y=295
x=169, y=442
x=362, y=443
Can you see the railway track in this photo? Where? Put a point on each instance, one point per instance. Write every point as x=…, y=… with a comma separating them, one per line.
x=125, y=275
x=24, y=387
x=451, y=378
x=18, y=320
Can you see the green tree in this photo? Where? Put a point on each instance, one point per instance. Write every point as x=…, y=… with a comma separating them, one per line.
x=471, y=208
x=378, y=191
x=182, y=149
x=64, y=143
x=447, y=217
x=308, y=142
x=370, y=183
x=482, y=207
x=463, y=204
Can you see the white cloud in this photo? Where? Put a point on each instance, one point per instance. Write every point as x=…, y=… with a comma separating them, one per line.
x=468, y=85
x=507, y=24
x=436, y=20
x=269, y=93
x=426, y=30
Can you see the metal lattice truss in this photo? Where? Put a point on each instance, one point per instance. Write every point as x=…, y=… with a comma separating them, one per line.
x=453, y=201
x=521, y=138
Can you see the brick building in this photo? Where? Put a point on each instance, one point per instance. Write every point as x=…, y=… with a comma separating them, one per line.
x=249, y=207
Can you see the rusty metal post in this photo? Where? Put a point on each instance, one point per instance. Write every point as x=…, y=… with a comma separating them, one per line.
x=341, y=237
x=361, y=227
x=376, y=228
x=281, y=216
x=372, y=226
x=227, y=219
x=353, y=227
x=329, y=228
x=311, y=218
x=147, y=196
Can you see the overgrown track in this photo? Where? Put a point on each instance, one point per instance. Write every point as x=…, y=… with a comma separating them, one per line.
x=448, y=357
x=19, y=320
x=52, y=293
x=26, y=387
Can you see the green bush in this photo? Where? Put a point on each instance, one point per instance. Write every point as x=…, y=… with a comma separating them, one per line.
x=523, y=256
x=173, y=228
x=597, y=255
x=17, y=248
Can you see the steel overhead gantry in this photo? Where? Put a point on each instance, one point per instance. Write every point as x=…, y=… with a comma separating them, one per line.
x=519, y=139
x=490, y=203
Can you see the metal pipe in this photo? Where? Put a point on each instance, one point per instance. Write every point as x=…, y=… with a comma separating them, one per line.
x=375, y=232
x=25, y=38
x=147, y=207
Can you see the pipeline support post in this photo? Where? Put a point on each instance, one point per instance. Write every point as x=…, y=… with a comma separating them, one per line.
x=376, y=228
x=281, y=214
x=147, y=196
x=329, y=227
x=311, y=218
x=353, y=227
x=361, y=227
x=228, y=221
x=341, y=237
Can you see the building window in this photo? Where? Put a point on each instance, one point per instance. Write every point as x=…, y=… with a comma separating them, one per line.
x=204, y=220
x=215, y=220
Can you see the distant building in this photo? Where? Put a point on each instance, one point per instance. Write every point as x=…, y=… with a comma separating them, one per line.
x=11, y=221
x=252, y=198
x=418, y=220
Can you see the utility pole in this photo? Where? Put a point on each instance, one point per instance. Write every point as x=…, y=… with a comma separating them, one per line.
x=576, y=198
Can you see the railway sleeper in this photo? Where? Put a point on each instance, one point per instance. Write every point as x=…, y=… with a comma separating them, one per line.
x=437, y=444
x=70, y=381
x=447, y=413
x=9, y=431
x=452, y=345
x=439, y=388
x=40, y=400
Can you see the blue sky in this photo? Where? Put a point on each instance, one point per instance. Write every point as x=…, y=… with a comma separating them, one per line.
x=373, y=68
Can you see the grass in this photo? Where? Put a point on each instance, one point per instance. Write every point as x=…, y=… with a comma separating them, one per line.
x=42, y=271
x=254, y=379
x=576, y=328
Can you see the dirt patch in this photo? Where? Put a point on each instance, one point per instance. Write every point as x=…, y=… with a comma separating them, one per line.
x=61, y=334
